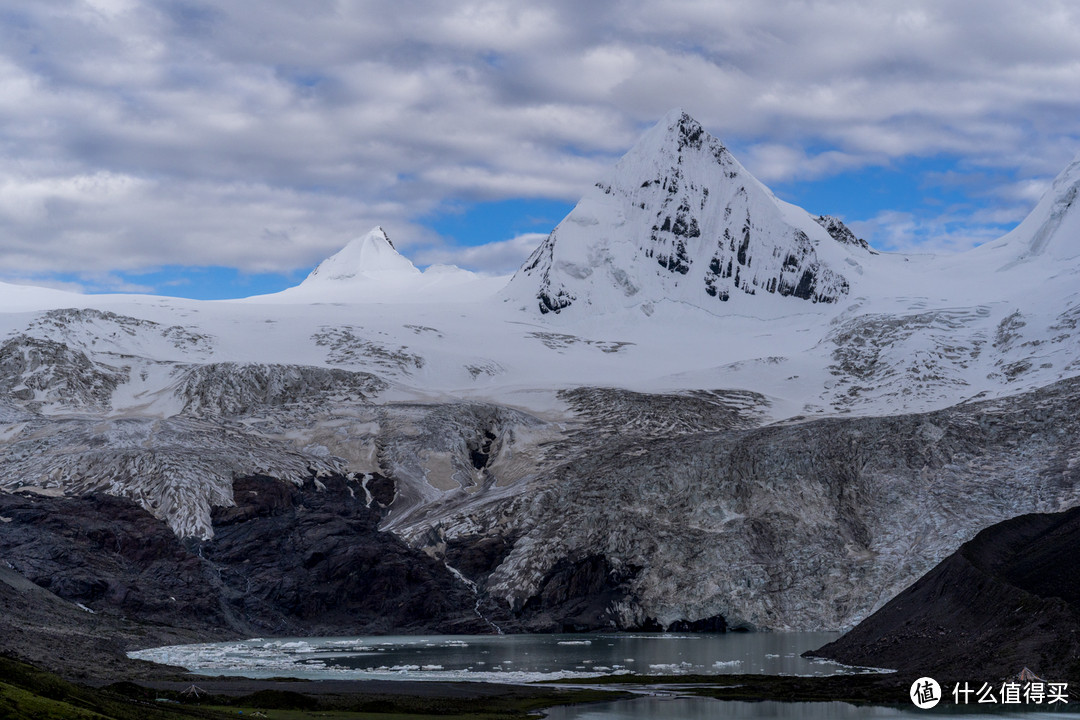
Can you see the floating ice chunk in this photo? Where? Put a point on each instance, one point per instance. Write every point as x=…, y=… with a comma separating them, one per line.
x=671, y=667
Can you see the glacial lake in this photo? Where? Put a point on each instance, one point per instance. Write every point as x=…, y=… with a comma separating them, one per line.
x=503, y=658
x=530, y=658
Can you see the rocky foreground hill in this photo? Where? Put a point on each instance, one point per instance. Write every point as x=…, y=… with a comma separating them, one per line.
x=1006, y=600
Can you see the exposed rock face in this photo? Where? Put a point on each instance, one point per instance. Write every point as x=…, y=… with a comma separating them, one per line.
x=36, y=372
x=655, y=415
x=651, y=512
x=177, y=469
x=284, y=560
x=313, y=559
x=105, y=552
x=53, y=633
x=840, y=232
x=577, y=596
x=110, y=332
x=237, y=419
x=679, y=218
x=233, y=388
x=800, y=526
x=1007, y=599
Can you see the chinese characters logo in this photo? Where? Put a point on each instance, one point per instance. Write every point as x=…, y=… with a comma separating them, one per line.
x=925, y=693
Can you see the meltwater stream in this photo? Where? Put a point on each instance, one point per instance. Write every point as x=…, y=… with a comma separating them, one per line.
x=503, y=658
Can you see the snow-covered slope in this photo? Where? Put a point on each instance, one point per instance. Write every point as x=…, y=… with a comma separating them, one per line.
x=17, y=298
x=1049, y=234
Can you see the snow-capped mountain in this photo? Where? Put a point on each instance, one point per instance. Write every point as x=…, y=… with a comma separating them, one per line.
x=681, y=319
x=370, y=269
x=370, y=258
x=679, y=219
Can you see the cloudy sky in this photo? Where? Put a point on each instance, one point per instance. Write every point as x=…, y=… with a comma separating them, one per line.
x=216, y=149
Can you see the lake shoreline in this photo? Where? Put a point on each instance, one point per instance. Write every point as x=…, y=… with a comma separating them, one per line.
x=171, y=697
x=85, y=653
x=138, y=685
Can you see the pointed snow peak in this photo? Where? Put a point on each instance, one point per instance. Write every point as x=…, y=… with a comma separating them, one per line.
x=677, y=125
x=685, y=130
x=672, y=142
x=371, y=255
x=679, y=218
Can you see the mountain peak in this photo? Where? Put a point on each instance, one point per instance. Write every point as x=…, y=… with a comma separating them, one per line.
x=679, y=126
x=678, y=218
x=368, y=256
x=1050, y=230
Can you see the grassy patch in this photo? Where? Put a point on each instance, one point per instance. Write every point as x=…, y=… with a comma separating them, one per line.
x=516, y=703
x=18, y=703
x=27, y=693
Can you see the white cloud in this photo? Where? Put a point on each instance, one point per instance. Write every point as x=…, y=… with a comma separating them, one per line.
x=771, y=162
x=498, y=258
x=262, y=135
x=905, y=232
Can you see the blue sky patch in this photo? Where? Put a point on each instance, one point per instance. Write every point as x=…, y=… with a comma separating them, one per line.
x=483, y=223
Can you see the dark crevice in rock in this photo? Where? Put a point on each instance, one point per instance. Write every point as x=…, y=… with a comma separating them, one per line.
x=714, y=624
x=480, y=450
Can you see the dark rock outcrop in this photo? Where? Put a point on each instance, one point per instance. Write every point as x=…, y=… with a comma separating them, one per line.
x=1008, y=599
x=313, y=559
x=40, y=627
x=284, y=560
x=577, y=596
x=840, y=232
